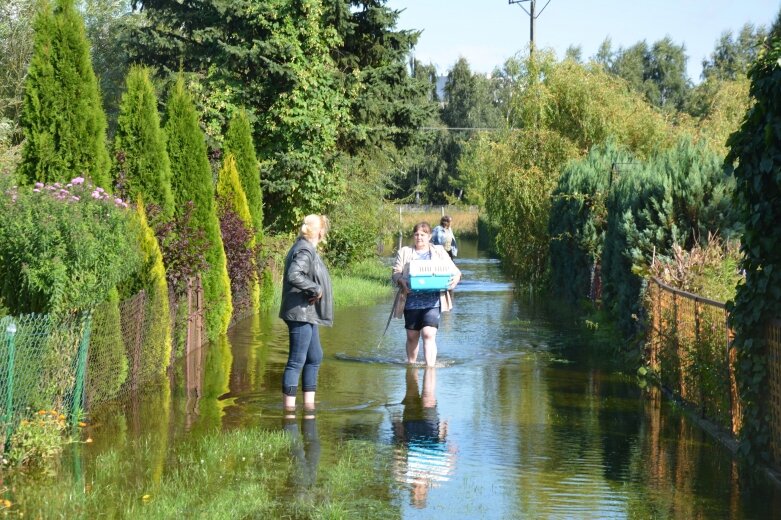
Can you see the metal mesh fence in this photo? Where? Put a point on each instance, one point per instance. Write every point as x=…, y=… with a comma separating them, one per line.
x=41, y=366
x=690, y=349
x=116, y=352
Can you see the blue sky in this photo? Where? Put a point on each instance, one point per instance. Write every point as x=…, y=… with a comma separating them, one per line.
x=486, y=32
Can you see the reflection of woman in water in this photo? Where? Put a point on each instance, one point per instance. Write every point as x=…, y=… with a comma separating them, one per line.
x=305, y=451
x=422, y=455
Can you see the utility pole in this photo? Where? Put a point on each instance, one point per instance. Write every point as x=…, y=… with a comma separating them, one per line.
x=533, y=15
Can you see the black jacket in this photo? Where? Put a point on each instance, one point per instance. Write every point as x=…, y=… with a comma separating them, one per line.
x=305, y=277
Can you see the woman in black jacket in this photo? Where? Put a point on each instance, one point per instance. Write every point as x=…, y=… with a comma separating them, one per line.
x=307, y=302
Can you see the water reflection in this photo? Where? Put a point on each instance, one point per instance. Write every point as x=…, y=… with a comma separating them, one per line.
x=423, y=457
x=305, y=450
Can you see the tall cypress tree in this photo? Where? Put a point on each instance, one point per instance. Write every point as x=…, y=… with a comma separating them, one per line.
x=191, y=180
x=62, y=117
x=237, y=233
x=141, y=166
x=238, y=142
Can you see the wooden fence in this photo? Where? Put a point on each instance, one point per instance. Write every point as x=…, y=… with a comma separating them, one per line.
x=690, y=348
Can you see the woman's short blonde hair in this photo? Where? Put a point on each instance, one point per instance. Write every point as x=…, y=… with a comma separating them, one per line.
x=312, y=226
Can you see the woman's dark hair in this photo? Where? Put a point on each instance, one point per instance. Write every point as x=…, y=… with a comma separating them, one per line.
x=422, y=226
x=445, y=220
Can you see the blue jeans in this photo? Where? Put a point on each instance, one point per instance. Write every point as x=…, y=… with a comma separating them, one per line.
x=304, y=357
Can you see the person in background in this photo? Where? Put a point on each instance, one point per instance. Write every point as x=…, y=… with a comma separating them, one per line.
x=443, y=236
x=422, y=310
x=307, y=303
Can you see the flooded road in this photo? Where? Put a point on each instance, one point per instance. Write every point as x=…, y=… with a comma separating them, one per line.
x=513, y=423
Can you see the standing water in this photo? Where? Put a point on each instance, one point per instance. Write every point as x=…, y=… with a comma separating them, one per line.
x=514, y=422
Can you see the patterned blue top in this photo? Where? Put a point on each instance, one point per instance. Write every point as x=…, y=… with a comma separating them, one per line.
x=422, y=299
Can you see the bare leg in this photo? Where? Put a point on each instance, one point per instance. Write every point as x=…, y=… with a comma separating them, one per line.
x=413, y=337
x=430, y=345
x=289, y=404
x=309, y=405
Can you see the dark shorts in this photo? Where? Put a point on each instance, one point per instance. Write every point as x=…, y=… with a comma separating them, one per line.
x=416, y=319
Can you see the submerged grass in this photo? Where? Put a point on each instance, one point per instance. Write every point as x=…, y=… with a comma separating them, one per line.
x=236, y=474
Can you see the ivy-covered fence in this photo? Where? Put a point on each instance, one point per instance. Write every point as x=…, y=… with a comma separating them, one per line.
x=690, y=348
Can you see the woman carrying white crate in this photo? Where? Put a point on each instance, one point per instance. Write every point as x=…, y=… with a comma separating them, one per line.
x=425, y=293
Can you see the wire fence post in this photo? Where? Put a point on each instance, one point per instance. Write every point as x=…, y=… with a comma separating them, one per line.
x=81, y=368
x=10, y=334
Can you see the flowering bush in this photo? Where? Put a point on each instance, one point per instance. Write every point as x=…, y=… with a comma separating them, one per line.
x=38, y=438
x=62, y=247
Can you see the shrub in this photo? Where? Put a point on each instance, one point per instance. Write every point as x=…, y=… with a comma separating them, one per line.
x=62, y=248
x=38, y=438
x=578, y=220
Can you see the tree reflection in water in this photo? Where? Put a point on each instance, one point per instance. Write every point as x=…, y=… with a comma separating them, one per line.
x=423, y=457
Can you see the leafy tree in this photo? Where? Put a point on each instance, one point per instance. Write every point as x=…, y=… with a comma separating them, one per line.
x=238, y=142
x=658, y=72
x=64, y=124
x=732, y=57
x=388, y=98
x=16, y=49
x=562, y=109
x=191, y=180
x=272, y=57
x=141, y=165
x=754, y=159
x=108, y=25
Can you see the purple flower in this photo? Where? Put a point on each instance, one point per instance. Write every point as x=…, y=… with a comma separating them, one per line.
x=95, y=194
x=36, y=190
x=39, y=185
x=76, y=198
x=78, y=180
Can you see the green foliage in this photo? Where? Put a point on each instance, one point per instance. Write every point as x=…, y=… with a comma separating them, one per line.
x=62, y=117
x=273, y=57
x=38, y=439
x=156, y=350
x=108, y=25
x=522, y=175
x=191, y=180
x=578, y=219
x=677, y=197
x=387, y=101
x=755, y=160
x=238, y=142
x=658, y=72
x=299, y=131
x=359, y=220
x=141, y=167
x=237, y=237
x=16, y=49
x=732, y=57
x=107, y=361
x=62, y=248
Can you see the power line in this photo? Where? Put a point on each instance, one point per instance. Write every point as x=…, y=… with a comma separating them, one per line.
x=533, y=15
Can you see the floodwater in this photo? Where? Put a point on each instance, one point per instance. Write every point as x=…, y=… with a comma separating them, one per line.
x=514, y=422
